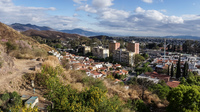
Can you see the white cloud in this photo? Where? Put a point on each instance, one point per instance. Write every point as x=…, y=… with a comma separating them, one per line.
x=79, y=1
x=148, y=1
x=158, y=16
x=191, y=17
x=87, y=8
x=11, y=13
x=102, y=3
x=113, y=14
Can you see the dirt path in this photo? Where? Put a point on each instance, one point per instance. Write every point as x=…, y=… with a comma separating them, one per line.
x=13, y=80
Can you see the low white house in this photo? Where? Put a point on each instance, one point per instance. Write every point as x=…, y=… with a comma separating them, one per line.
x=99, y=65
x=95, y=74
x=31, y=102
x=155, y=80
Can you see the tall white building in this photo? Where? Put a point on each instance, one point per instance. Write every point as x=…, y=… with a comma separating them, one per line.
x=100, y=52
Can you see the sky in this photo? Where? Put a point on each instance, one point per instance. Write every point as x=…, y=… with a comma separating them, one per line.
x=120, y=17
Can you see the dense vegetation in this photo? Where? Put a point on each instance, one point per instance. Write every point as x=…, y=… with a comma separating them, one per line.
x=12, y=102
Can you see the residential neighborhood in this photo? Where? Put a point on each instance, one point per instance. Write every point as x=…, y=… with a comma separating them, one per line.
x=101, y=70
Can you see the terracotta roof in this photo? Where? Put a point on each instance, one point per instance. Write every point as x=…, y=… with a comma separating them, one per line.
x=104, y=73
x=94, y=72
x=117, y=65
x=103, y=68
x=125, y=71
x=173, y=84
x=91, y=60
x=155, y=74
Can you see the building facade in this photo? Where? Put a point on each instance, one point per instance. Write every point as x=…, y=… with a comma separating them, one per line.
x=133, y=47
x=84, y=49
x=124, y=56
x=113, y=46
x=100, y=52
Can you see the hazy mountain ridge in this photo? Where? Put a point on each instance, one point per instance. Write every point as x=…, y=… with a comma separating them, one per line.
x=51, y=34
x=25, y=27
x=85, y=33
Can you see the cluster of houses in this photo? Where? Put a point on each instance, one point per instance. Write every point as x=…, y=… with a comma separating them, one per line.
x=163, y=62
x=58, y=55
x=94, y=69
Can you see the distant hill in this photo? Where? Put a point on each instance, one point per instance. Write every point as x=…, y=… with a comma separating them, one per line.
x=102, y=36
x=85, y=33
x=185, y=37
x=51, y=34
x=25, y=27
x=20, y=41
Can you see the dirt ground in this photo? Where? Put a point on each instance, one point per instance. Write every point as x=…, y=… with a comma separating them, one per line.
x=13, y=80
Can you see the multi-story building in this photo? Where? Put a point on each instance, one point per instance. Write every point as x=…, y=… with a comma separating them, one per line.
x=84, y=49
x=100, y=52
x=113, y=46
x=133, y=47
x=124, y=56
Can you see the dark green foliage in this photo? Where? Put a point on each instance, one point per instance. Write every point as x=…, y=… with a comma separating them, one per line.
x=185, y=70
x=172, y=70
x=58, y=45
x=192, y=80
x=5, y=97
x=144, y=68
x=145, y=55
x=138, y=59
x=95, y=82
x=137, y=105
x=184, y=99
x=178, y=70
x=10, y=46
x=168, y=71
x=10, y=100
x=67, y=99
x=161, y=90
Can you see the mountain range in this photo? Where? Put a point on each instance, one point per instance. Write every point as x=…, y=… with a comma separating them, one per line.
x=25, y=27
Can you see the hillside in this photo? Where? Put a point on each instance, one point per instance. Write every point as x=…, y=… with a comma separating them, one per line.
x=25, y=27
x=51, y=35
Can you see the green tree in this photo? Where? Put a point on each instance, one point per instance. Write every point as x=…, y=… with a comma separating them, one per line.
x=178, y=70
x=168, y=71
x=184, y=99
x=138, y=59
x=172, y=70
x=185, y=70
x=10, y=46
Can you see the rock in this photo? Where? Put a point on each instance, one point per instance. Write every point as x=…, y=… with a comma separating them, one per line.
x=38, y=59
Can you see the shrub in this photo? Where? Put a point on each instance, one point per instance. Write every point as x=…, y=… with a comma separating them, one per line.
x=10, y=47
x=1, y=63
x=5, y=97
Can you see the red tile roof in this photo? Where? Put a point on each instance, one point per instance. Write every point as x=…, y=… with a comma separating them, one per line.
x=159, y=76
x=95, y=72
x=173, y=84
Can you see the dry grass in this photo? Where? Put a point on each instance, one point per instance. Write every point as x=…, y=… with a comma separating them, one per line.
x=77, y=76
x=51, y=61
x=78, y=86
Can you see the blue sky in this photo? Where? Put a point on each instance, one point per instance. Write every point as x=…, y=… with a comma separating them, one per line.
x=122, y=17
